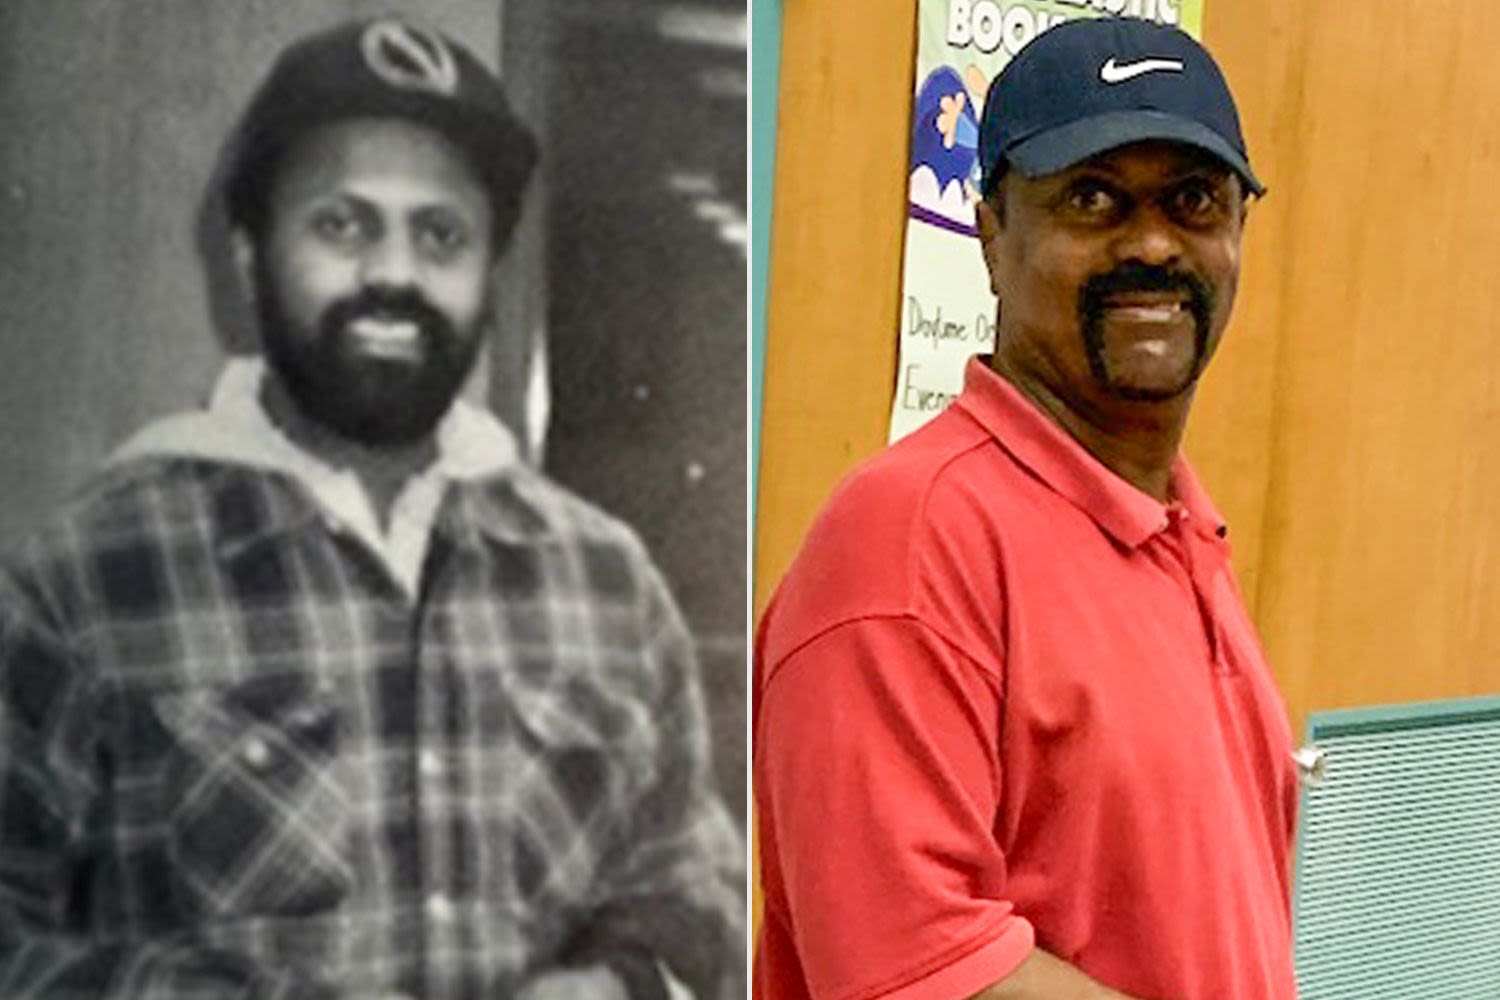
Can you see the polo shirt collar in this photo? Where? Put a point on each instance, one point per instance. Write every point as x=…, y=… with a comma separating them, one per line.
x=1126, y=513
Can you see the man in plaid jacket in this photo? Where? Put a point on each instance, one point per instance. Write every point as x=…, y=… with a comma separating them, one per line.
x=321, y=692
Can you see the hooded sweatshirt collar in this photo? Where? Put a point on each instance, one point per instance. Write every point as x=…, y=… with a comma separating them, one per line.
x=235, y=429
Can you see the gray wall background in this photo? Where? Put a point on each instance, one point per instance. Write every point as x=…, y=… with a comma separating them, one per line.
x=114, y=114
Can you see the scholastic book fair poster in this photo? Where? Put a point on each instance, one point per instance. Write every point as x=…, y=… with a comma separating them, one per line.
x=947, y=312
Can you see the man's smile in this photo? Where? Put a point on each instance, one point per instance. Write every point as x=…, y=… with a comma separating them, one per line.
x=1149, y=322
x=1146, y=308
x=1145, y=329
x=386, y=338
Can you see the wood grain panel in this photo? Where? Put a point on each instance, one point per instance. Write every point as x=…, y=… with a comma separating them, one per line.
x=1375, y=465
x=835, y=274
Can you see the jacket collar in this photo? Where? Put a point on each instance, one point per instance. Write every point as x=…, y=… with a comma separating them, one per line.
x=475, y=453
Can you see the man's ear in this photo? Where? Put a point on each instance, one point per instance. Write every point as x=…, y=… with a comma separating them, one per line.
x=242, y=250
x=989, y=214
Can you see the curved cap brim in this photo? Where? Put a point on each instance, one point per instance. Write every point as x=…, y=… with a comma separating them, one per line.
x=1062, y=147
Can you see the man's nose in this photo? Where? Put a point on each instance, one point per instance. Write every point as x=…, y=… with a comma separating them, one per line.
x=390, y=261
x=1150, y=238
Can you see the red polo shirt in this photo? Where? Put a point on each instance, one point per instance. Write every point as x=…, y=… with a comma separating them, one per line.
x=1004, y=697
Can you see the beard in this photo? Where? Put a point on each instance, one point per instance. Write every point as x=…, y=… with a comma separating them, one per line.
x=1133, y=276
x=373, y=401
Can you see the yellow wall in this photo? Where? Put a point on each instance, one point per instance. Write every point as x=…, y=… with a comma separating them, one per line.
x=1350, y=427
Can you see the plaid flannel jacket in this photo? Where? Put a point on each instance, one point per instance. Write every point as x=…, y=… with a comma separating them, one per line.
x=237, y=761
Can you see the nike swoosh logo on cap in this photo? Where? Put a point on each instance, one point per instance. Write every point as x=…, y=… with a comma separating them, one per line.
x=1113, y=72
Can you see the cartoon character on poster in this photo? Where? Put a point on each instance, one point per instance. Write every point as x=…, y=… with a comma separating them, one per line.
x=945, y=148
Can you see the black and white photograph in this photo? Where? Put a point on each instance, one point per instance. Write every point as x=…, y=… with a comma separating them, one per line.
x=373, y=589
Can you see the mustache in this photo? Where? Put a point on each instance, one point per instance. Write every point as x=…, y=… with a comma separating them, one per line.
x=1134, y=276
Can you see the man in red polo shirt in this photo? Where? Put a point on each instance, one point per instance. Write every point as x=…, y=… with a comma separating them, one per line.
x=1014, y=734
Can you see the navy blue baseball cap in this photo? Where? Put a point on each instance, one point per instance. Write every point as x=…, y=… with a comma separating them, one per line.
x=385, y=68
x=1090, y=85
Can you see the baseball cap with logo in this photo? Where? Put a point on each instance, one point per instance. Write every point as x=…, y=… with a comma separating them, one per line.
x=387, y=68
x=1090, y=85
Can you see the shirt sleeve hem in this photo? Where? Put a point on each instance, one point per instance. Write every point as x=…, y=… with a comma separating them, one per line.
x=978, y=969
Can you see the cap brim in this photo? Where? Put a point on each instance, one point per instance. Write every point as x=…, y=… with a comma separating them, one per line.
x=1062, y=147
x=500, y=150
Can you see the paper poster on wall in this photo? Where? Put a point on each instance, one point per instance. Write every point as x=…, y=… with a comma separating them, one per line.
x=947, y=312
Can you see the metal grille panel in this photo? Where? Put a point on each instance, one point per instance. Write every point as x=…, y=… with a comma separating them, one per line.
x=1398, y=874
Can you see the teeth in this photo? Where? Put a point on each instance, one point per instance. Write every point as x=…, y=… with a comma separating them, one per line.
x=397, y=340
x=1147, y=314
x=401, y=331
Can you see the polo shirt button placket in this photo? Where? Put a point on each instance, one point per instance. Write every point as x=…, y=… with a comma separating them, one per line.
x=1207, y=566
x=1195, y=557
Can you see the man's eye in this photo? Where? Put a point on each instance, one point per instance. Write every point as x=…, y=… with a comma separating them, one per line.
x=445, y=237
x=339, y=227
x=1196, y=202
x=1092, y=200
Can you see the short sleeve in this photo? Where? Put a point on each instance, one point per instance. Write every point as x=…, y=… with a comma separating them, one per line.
x=877, y=778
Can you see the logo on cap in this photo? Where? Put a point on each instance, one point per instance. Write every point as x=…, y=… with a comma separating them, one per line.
x=1113, y=72
x=409, y=58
